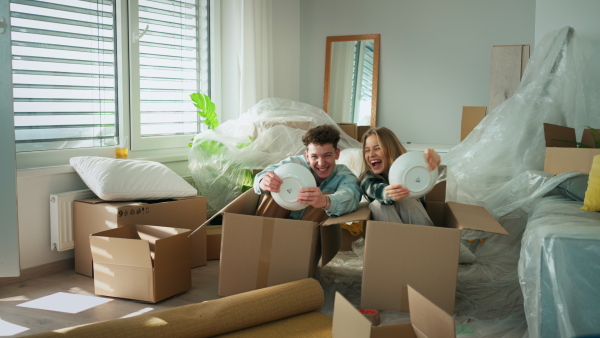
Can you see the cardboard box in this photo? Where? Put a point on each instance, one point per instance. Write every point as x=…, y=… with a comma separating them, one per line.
x=213, y=242
x=361, y=131
x=142, y=262
x=257, y=252
x=350, y=129
x=426, y=320
x=95, y=215
x=471, y=116
x=422, y=256
x=564, y=156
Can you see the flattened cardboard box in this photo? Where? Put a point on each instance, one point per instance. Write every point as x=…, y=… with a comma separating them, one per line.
x=142, y=262
x=258, y=251
x=95, y=215
x=351, y=129
x=563, y=156
x=426, y=320
x=425, y=257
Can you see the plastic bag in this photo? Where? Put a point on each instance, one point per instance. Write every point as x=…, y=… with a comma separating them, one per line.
x=221, y=160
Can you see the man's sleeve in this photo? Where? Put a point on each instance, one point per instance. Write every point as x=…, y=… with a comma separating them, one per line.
x=345, y=199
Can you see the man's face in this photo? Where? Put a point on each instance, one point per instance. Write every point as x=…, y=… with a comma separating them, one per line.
x=321, y=159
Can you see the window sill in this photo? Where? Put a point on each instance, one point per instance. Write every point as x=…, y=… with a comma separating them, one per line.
x=162, y=156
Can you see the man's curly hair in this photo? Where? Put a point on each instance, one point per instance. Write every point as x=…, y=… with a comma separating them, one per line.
x=321, y=135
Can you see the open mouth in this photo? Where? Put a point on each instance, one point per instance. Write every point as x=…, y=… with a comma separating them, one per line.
x=375, y=164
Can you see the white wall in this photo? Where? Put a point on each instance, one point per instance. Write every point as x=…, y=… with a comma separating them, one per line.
x=435, y=56
x=582, y=15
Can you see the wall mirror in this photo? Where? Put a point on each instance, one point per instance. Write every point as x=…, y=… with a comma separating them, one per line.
x=351, y=77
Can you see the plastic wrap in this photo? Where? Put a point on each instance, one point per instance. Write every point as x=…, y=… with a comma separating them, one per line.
x=222, y=159
x=559, y=270
x=499, y=166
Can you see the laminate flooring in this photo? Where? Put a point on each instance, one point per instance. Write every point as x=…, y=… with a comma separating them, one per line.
x=66, y=298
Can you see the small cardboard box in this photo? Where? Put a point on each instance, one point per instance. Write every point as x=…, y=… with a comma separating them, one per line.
x=142, y=262
x=426, y=320
x=95, y=215
x=213, y=242
x=423, y=256
x=257, y=251
x=361, y=131
x=349, y=128
x=564, y=156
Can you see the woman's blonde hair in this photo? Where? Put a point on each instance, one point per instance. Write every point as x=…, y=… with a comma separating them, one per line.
x=388, y=142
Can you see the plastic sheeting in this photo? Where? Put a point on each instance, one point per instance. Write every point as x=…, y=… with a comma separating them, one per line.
x=221, y=159
x=499, y=166
x=559, y=270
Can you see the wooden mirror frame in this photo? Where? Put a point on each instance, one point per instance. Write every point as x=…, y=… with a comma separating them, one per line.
x=377, y=40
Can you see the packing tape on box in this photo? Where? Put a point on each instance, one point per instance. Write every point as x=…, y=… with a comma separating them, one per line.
x=212, y=317
x=372, y=315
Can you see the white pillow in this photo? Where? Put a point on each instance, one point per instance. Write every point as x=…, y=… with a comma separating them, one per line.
x=120, y=180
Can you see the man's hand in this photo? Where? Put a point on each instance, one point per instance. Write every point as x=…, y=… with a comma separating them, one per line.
x=270, y=182
x=396, y=191
x=432, y=158
x=313, y=197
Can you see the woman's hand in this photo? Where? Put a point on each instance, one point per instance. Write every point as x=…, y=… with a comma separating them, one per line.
x=270, y=182
x=396, y=191
x=432, y=158
x=313, y=197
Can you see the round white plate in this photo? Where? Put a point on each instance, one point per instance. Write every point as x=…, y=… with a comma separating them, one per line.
x=295, y=177
x=410, y=170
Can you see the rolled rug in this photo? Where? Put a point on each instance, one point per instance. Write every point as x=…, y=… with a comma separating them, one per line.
x=212, y=317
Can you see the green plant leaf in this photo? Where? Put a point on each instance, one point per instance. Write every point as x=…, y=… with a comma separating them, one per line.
x=206, y=109
x=247, y=180
x=212, y=147
x=244, y=145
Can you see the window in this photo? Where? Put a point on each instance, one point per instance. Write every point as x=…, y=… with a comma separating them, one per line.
x=85, y=71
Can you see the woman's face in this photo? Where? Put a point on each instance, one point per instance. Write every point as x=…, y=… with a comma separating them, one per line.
x=376, y=156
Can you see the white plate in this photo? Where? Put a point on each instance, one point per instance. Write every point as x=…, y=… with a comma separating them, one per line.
x=410, y=170
x=295, y=177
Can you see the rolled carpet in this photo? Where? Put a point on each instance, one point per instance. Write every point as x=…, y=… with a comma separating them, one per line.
x=212, y=317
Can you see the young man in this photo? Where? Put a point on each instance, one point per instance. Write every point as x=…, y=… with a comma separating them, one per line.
x=337, y=191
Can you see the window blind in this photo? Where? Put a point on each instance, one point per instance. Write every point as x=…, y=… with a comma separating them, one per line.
x=173, y=63
x=63, y=73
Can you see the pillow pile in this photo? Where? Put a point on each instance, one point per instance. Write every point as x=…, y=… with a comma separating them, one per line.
x=591, y=201
x=125, y=180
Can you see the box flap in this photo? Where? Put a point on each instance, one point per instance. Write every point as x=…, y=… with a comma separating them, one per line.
x=428, y=318
x=425, y=257
x=465, y=216
x=471, y=116
x=363, y=213
x=588, y=138
x=120, y=251
x=554, y=133
x=348, y=322
x=116, y=204
x=170, y=245
x=438, y=193
x=331, y=242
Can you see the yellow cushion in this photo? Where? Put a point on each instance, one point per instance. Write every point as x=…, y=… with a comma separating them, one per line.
x=591, y=202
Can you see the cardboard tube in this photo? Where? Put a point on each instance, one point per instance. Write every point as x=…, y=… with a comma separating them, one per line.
x=212, y=317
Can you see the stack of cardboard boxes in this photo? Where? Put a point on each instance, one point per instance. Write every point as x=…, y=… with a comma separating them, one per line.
x=139, y=249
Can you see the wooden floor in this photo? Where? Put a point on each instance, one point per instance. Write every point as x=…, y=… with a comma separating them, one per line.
x=62, y=288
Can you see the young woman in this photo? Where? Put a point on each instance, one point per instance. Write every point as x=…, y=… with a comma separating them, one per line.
x=388, y=202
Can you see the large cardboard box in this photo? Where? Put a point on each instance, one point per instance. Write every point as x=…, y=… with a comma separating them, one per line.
x=426, y=320
x=424, y=257
x=257, y=251
x=142, y=262
x=95, y=215
x=563, y=156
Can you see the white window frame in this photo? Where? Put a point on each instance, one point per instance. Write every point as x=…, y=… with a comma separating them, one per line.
x=162, y=149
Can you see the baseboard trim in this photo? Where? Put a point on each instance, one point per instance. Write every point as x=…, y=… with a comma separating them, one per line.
x=39, y=271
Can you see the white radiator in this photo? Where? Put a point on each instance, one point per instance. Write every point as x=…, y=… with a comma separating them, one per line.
x=61, y=218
